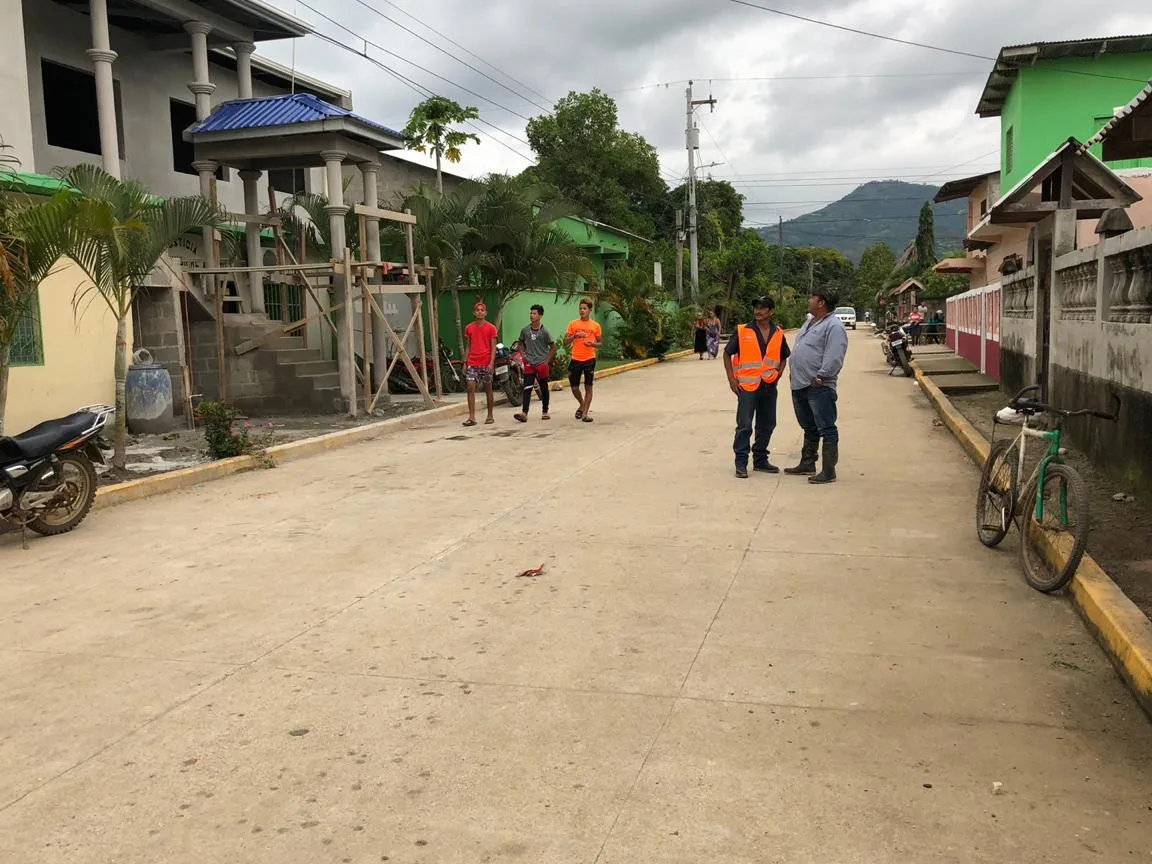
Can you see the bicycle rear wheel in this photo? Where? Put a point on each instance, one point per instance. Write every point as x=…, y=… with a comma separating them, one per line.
x=996, y=500
x=1065, y=511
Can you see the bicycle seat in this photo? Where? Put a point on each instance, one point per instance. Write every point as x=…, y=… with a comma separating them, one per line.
x=1027, y=406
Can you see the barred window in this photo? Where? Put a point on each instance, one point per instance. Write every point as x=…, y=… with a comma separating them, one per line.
x=28, y=341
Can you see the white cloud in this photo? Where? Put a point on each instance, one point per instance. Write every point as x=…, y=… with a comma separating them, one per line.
x=863, y=127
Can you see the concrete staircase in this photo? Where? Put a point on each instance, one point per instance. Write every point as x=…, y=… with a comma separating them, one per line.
x=279, y=377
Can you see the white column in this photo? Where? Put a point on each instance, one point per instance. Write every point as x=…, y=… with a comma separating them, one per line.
x=251, y=180
x=102, y=57
x=202, y=87
x=244, y=52
x=333, y=163
x=207, y=171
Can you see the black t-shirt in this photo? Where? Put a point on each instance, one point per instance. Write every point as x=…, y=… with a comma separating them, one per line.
x=733, y=347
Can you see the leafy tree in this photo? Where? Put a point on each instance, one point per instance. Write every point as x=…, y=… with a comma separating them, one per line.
x=116, y=232
x=876, y=265
x=514, y=244
x=720, y=207
x=925, y=244
x=610, y=173
x=430, y=128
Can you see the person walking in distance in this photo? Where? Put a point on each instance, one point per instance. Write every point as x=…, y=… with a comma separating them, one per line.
x=817, y=358
x=539, y=351
x=481, y=337
x=584, y=336
x=761, y=353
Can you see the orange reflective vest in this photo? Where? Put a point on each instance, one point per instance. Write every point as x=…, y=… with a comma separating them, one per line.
x=751, y=367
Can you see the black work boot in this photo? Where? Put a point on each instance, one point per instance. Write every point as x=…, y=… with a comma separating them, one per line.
x=764, y=466
x=741, y=471
x=807, y=459
x=828, y=470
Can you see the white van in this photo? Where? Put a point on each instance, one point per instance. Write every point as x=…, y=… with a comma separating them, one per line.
x=847, y=316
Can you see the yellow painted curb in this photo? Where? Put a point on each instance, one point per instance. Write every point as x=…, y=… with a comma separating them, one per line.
x=1123, y=631
x=186, y=478
x=557, y=386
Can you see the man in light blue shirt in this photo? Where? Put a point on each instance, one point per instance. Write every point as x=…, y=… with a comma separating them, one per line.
x=817, y=358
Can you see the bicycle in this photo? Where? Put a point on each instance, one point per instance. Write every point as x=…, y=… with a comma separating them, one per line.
x=999, y=481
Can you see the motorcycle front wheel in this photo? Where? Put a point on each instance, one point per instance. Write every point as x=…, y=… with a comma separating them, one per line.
x=514, y=386
x=79, y=477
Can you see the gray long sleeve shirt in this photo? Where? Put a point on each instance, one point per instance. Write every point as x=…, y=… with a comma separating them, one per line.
x=818, y=352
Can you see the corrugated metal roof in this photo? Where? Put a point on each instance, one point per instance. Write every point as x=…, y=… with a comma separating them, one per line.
x=290, y=110
x=1120, y=114
x=31, y=183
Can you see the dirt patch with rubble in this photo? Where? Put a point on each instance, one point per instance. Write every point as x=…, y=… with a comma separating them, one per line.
x=184, y=448
x=1120, y=538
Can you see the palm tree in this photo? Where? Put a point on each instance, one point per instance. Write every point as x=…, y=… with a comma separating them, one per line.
x=28, y=252
x=430, y=128
x=633, y=295
x=440, y=234
x=516, y=244
x=116, y=232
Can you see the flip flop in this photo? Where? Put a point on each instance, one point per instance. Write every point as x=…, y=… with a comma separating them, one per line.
x=489, y=421
x=587, y=419
x=521, y=418
x=546, y=417
x=579, y=414
x=468, y=423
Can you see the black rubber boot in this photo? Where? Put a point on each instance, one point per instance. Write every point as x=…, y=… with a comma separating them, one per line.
x=764, y=466
x=828, y=470
x=807, y=459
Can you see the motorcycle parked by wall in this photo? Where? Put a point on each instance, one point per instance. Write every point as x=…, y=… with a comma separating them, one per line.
x=509, y=373
x=897, y=349
x=47, y=475
x=451, y=374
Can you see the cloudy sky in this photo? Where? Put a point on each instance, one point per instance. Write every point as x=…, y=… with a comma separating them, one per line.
x=805, y=113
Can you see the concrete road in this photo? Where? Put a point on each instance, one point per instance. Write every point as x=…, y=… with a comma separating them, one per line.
x=334, y=662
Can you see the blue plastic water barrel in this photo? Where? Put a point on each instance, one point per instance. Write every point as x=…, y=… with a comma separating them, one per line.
x=148, y=394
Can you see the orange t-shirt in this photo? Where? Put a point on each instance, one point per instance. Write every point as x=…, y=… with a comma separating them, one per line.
x=583, y=331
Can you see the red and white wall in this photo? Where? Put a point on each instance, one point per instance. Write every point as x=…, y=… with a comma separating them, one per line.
x=973, y=328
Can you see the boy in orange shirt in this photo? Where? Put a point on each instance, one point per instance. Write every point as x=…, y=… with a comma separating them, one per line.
x=584, y=336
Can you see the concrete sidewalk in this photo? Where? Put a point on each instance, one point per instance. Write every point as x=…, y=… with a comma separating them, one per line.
x=334, y=661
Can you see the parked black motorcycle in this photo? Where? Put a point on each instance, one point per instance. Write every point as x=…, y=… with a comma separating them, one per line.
x=47, y=475
x=897, y=349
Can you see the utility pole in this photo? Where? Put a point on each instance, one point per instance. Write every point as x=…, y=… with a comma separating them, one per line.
x=780, y=257
x=692, y=140
x=680, y=255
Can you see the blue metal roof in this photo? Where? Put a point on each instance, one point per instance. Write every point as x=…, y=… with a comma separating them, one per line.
x=288, y=110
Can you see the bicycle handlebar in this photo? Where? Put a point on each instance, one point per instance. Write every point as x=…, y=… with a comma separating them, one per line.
x=1018, y=401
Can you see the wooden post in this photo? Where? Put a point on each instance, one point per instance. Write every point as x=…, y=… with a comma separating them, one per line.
x=348, y=376
x=219, y=282
x=366, y=338
x=420, y=335
x=434, y=329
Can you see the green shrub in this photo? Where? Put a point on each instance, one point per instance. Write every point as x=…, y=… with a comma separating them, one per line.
x=223, y=441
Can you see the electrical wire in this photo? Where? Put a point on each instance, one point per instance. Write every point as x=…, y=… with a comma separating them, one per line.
x=666, y=84
x=421, y=90
x=955, y=51
x=378, y=47
x=451, y=55
x=451, y=41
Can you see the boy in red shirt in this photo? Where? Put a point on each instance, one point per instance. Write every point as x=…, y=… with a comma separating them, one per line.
x=481, y=338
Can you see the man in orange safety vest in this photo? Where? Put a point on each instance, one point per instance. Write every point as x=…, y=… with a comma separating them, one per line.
x=754, y=360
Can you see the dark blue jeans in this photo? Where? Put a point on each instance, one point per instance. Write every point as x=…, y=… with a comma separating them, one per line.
x=816, y=413
x=755, y=411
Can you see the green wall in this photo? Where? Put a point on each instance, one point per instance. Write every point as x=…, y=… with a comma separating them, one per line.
x=557, y=314
x=1046, y=107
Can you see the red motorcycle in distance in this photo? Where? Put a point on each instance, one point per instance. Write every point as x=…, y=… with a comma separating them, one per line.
x=510, y=371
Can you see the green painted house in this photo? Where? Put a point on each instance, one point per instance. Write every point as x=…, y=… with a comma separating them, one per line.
x=1046, y=92
x=603, y=245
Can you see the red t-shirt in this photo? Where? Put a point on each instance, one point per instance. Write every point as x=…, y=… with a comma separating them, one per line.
x=480, y=335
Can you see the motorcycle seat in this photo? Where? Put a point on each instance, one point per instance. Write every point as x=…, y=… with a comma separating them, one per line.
x=45, y=437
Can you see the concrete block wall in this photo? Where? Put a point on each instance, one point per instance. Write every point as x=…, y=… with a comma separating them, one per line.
x=159, y=329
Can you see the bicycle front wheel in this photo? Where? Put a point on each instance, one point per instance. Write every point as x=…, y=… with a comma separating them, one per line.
x=1064, y=511
x=996, y=500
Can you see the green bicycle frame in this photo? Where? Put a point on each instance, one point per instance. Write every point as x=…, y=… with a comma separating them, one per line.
x=1052, y=456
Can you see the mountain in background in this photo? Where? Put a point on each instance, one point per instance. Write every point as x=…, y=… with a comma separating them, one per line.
x=882, y=211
